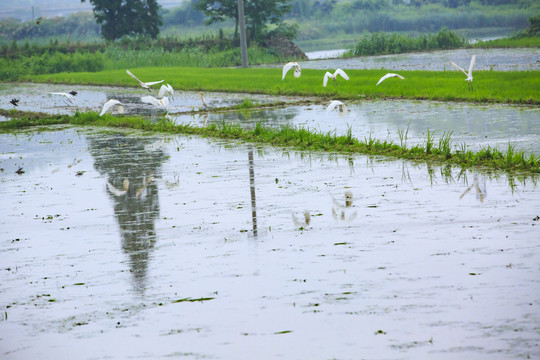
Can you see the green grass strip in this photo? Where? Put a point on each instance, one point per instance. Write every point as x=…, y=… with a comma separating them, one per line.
x=513, y=87
x=304, y=139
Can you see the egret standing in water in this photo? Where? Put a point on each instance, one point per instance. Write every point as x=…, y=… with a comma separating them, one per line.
x=290, y=65
x=389, y=75
x=469, y=73
x=144, y=85
x=333, y=76
x=203, y=102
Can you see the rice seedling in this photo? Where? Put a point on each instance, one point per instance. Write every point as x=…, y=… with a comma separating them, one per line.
x=302, y=138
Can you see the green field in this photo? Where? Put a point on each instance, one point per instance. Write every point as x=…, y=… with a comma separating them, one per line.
x=514, y=87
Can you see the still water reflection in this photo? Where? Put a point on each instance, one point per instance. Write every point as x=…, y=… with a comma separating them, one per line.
x=134, y=165
x=216, y=268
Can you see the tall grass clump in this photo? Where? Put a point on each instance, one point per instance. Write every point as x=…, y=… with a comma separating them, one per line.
x=384, y=43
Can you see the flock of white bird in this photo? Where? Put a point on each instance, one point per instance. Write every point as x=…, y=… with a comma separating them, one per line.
x=340, y=106
x=162, y=101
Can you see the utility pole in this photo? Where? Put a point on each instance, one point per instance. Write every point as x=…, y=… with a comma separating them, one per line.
x=242, y=25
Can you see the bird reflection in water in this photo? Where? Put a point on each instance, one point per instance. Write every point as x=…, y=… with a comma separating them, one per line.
x=481, y=194
x=302, y=220
x=344, y=211
x=129, y=165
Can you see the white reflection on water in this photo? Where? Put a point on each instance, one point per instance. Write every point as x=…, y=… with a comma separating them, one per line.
x=420, y=272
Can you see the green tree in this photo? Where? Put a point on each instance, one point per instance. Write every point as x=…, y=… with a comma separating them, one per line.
x=258, y=14
x=127, y=17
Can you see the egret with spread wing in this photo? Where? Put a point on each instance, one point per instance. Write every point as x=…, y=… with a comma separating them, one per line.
x=114, y=106
x=389, y=75
x=145, y=85
x=163, y=103
x=69, y=97
x=469, y=73
x=166, y=90
x=336, y=104
x=288, y=66
x=333, y=76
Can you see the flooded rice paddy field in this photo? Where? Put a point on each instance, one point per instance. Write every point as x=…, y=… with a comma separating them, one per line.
x=119, y=245
x=475, y=125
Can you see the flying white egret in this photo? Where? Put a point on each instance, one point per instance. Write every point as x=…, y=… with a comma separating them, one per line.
x=469, y=73
x=389, y=75
x=288, y=66
x=69, y=97
x=336, y=104
x=113, y=105
x=334, y=76
x=144, y=85
x=165, y=90
x=163, y=103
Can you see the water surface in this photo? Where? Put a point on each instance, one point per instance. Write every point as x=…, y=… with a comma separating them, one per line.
x=398, y=260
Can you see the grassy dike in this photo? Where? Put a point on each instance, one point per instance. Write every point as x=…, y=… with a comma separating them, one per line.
x=512, y=87
x=434, y=150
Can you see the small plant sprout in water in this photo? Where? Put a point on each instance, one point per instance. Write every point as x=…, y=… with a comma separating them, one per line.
x=333, y=76
x=389, y=75
x=290, y=65
x=469, y=78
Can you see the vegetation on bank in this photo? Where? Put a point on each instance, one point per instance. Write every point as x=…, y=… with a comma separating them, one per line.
x=18, y=61
x=384, y=43
x=433, y=150
x=516, y=87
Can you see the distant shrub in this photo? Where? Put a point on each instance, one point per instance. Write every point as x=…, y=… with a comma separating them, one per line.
x=383, y=43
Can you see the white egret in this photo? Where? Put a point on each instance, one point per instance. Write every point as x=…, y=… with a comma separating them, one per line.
x=163, y=103
x=336, y=104
x=113, y=105
x=165, y=90
x=144, y=85
x=14, y=102
x=288, y=66
x=389, y=75
x=70, y=98
x=334, y=76
x=469, y=73
x=203, y=102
